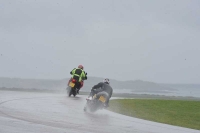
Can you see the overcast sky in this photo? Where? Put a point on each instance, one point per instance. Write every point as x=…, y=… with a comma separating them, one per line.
x=157, y=40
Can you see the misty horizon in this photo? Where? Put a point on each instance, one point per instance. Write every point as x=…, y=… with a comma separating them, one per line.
x=155, y=41
x=100, y=79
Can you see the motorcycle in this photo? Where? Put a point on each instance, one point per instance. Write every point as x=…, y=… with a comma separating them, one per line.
x=97, y=102
x=72, y=88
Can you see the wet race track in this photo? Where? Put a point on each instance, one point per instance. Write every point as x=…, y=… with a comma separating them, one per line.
x=32, y=112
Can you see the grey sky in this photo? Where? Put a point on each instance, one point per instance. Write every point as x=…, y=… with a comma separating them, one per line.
x=153, y=40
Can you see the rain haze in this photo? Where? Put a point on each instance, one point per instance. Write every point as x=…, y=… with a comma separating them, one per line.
x=154, y=40
x=148, y=49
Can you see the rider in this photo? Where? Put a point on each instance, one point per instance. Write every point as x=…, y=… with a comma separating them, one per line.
x=80, y=75
x=102, y=86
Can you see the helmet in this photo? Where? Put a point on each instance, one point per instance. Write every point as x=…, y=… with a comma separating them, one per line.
x=106, y=80
x=80, y=66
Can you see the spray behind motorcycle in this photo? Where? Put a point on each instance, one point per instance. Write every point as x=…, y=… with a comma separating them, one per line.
x=97, y=102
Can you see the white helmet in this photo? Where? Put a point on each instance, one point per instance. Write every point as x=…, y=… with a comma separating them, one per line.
x=106, y=80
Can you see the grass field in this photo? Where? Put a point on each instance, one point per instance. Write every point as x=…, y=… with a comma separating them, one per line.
x=174, y=112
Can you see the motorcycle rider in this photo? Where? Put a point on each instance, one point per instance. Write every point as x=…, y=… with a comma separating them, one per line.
x=78, y=74
x=102, y=86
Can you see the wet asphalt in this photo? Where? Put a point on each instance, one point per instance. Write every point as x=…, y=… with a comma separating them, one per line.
x=34, y=112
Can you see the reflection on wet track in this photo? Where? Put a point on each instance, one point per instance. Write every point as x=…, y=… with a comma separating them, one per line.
x=34, y=112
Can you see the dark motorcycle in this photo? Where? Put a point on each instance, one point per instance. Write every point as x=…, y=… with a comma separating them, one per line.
x=72, y=88
x=97, y=102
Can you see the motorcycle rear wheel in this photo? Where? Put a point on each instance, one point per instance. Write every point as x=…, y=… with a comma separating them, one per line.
x=70, y=92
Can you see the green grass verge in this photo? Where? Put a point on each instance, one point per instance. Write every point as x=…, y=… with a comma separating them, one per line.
x=174, y=112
